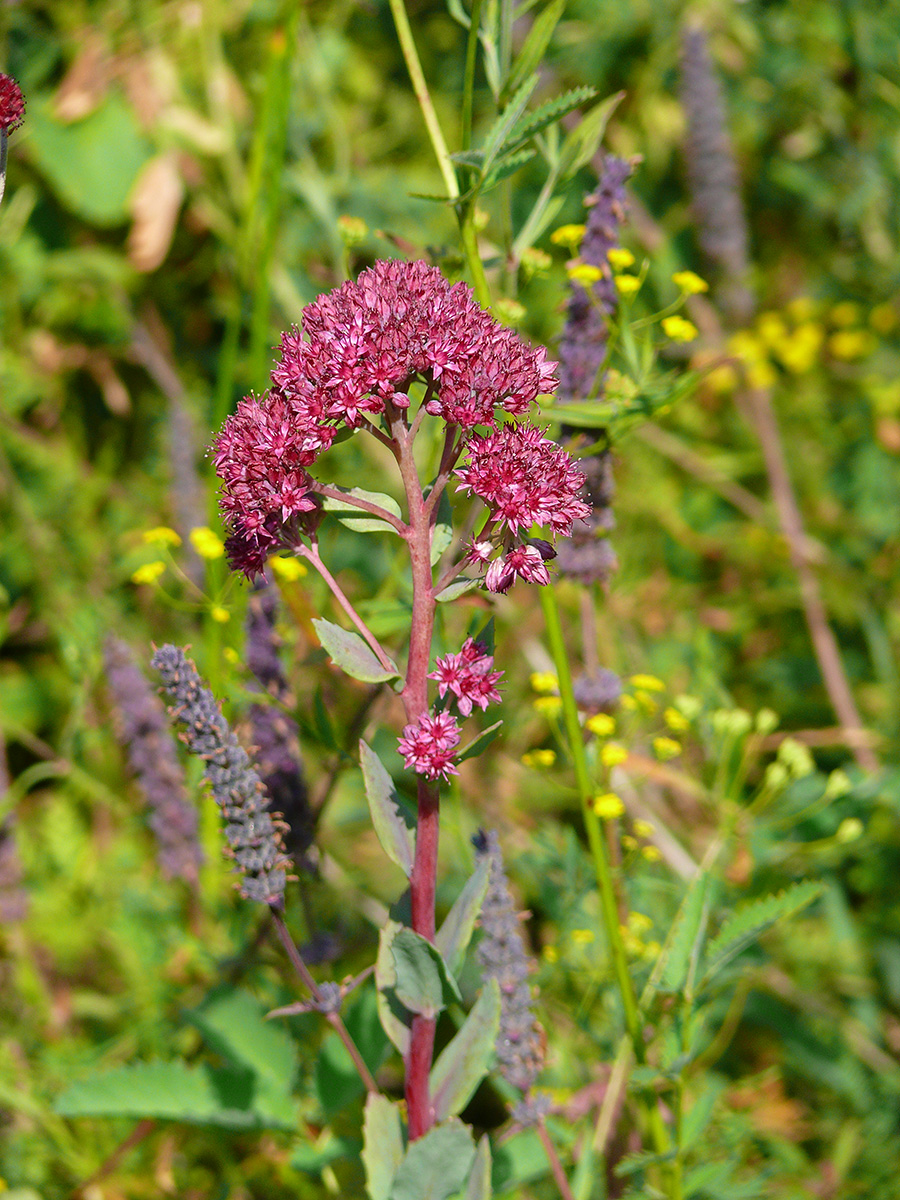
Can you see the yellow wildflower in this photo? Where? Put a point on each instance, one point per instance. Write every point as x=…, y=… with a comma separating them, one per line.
x=771, y=328
x=851, y=343
x=612, y=754
x=645, y=703
x=602, y=724
x=220, y=614
x=666, y=747
x=535, y=262
x=582, y=937
x=689, y=283
x=628, y=703
x=148, y=573
x=800, y=349
x=550, y=706
x=679, y=329
x=161, y=535
x=652, y=951
x=288, y=569
x=650, y=854
x=568, y=235
x=543, y=681
x=539, y=758
x=584, y=273
x=206, y=543
x=647, y=683
x=883, y=318
x=762, y=375
x=643, y=829
x=639, y=922
x=620, y=259
x=722, y=379
x=550, y=954
x=846, y=313
x=608, y=806
x=628, y=842
x=676, y=720
x=801, y=308
x=230, y=655
x=627, y=284
x=747, y=346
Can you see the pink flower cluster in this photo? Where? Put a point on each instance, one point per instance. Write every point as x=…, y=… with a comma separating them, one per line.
x=468, y=676
x=525, y=479
x=427, y=747
x=12, y=104
x=369, y=339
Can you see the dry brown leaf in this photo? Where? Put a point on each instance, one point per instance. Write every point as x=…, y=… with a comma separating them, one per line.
x=85, y=82
x=155, y=202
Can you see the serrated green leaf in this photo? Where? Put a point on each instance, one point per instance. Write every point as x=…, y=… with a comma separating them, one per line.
x=395, y=1020
x=436, y=1165
x=424, y=984
x=529, y=57
x=397, y=840
x=581, y=143
x=360, y=522
x=505, y=167
x=753, y=919
x=500, y=130
x=682, y=947
x=455, y=933
x=349, y=652
x=467, y=1059
x=382, y=1145
x=534, y=122
x=481, y=742
x=478, y=1185
x=173, y=1091
x=632, y=1163
x=469, y=158
x=234, y=1024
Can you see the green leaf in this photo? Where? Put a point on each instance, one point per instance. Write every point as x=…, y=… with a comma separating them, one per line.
x=529, y=57
x=581, y=143
x=640, y=1160
x=753, y=919
x=455, y=933
x=312, y=1158
x=173, y=1091
x=435, y=1165
x=545, y=114
x=92, y=164
x=395, y=1020
x=683, y=945
x=442, y=530
x=234, y=1024
x=349, y=652
x=363, y=522
x=467, y=1059
x=505, y=167
x=478, y=1186
x=500, y=130
x=459, y=586
x=424, y=984
x=382, y=1145
x=397, y=840
x=517, y=1161
x=479, y=743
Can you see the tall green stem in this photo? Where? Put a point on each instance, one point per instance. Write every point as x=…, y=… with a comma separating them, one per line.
x=469, y=77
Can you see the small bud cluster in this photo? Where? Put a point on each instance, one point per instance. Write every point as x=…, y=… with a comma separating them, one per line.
x=502, y=954
x=273, y=733
x=142, y=729
x=12, y=104
x=254, y=837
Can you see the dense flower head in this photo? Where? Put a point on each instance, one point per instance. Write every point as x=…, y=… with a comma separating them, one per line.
x=370, y=338
x=524, y=478
x=427, y=746
x=12, y=104
x=468, y=676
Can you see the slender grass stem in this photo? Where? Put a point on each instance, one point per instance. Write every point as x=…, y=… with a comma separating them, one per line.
x=469, y=78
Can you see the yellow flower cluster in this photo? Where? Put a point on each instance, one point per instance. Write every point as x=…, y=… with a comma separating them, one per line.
x=679, y=329
x=539, y=758
x=206, y=543
x=689, y=283
x=544, y=682
x=627, y=285
x=584, y=273
x=569, y=236
x=288, y=569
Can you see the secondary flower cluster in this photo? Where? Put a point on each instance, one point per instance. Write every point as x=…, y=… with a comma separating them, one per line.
x=364, y=345
x=12, y=104
x=428, y=746
x=468, y=676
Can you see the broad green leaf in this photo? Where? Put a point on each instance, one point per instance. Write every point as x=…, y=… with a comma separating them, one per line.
x=459, y=586
x=529, y=57
x=234, y=1024
x=455, y=933
x=517, y=1161
x=683, y=945
x=92, y=164
x=435, y=1165
x=395, y=1020
x=467, y=1059
x=753, y=919
x=174, y=1091
x=500, y=130
x=349, y=652
x=479, y=743
x=478, y=1186
x=313, y=1157
x=581, y=143
x=382, y=1145
x=424, y=984
x=397, y=840
x=350, y=515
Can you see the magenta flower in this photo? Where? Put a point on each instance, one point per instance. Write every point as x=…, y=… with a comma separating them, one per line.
x=468, y=676
x=524, y=478
x=12, y=104
x=428, y=746
x=525, y=561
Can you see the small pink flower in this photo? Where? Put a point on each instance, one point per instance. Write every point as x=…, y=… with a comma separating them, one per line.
x=468, y=676
x=428, y=746
x=12, y=104
x=524, y=561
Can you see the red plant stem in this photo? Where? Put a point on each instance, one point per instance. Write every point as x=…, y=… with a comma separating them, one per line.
x=415, y=699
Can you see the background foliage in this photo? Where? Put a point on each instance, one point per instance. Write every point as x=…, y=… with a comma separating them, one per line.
x=174, y=198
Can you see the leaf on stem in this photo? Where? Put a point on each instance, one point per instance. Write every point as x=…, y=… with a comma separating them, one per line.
x=581, y=143
x=683, y=945
x=382, y=1145
x=478, y=1186
x=479, y=743
x=435, y=1165
x=455, y=933
x=397, y=839
x=468, y=1058
x=533, y=48
x=349, y=652
x=458, y=587
x=395, y=1020
x=424, y=984
x=359, y=521
x=753, y=919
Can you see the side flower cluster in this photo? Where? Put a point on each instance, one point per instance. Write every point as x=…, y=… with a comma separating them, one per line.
x=468, y=676
x=140, y=722
x=428, y=745
x=254, y=837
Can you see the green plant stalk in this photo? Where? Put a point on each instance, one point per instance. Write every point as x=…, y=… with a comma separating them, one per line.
x=600, y=855
x=469, y=77
x=473, y=258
